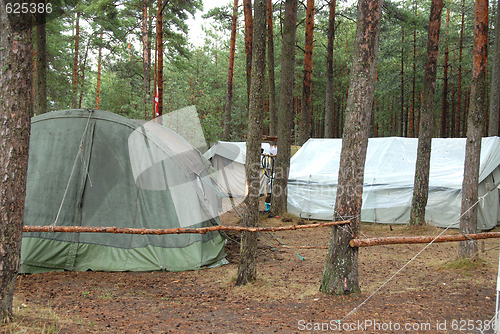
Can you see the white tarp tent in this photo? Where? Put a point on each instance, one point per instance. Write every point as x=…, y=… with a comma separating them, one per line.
x=389, y=177
x=228, y=159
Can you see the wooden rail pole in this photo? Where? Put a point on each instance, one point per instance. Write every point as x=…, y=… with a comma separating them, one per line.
x=201, y=230
x=421, y=239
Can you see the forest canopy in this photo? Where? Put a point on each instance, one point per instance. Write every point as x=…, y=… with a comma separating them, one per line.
x=101, y=54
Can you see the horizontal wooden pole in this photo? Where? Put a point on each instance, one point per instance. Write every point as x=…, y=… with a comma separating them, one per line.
x=421, y=239
x=201, y=230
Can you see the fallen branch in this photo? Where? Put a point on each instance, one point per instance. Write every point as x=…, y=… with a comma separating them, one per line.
x=421, y=239
x=201, y=230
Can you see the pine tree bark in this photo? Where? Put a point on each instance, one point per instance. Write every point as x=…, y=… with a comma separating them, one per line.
x=285, y=109
x=468, y=220
x=329, y=108
x=445, y=105
x=16, y=62
x=82, y=77
x=247, y=267
x=340, y=275
x=459, y=110
x=75, y=61
x=426, y=127
x=402, y=77
x=306, y=110
x=99, y=69
x=41, y=63
x=146, y=57
x=159, y=50
x=411, y=121
x=247, y=12
x=494, y=107
x=226, y=133
x=273, y=122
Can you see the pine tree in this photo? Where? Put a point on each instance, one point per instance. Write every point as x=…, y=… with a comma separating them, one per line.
x=16, y=62
x=247, y=268
x=285, y=109
x=468, y=218
x=422, y=166
x=340, y=275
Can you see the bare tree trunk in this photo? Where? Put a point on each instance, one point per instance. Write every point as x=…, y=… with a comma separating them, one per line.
x=468, y=220
x=247, y=11
x=226, y=134
x=16, y=62
x=445, y=106
x=285, y=109
x=75, y=61
x=273, y=125
x=426, y=128
x=329, y=110
x=159, y=48
x=340, y=275
x=99, y=69
x=82, y=81
x=41, y=63
x=495, y=80
x=411, y=125
x=247, y=268
x=146, y=57
x=402, y=96
x=459, y=112
x=306, y=111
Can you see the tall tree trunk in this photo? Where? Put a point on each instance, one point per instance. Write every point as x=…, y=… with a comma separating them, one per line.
x=468, y=220
x=273, y=125
x=329, y=110
x=445, y=106
x=411, y=122
x=306, y=111
x=247, y=269
x=16, y=62
x=402, y=97
x=340, y=275
x=459, y=110
x=285, y=109
x=247, y=12
x=99, y=70
x=226, y=134
x=75, y=61
x=82, y=81
x=426, y=127
x=452, y=108
x=495, y=80
x=41, y=63
x=145, y=58
x=159, y=48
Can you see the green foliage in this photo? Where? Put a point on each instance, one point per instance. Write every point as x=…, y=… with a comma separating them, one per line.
x=197, y=75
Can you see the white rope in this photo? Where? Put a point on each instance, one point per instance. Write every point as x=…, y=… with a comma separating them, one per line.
x=80, y=148
x=416, y=255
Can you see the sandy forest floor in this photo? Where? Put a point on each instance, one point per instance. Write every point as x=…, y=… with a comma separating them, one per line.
x=429, y=296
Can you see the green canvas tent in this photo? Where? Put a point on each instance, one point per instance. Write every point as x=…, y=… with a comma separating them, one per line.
x=96, y=168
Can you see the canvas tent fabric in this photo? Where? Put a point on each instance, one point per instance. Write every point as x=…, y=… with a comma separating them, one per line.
x=389, y=177
x=228, y=160
x=96, y=168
